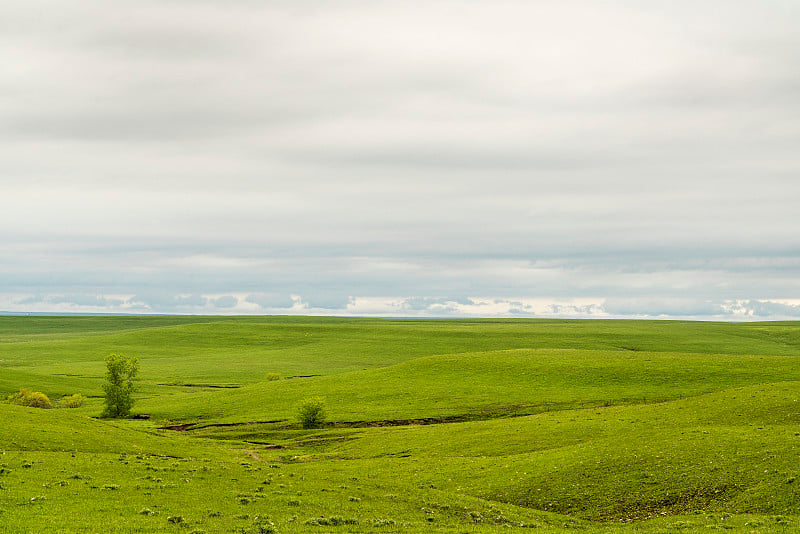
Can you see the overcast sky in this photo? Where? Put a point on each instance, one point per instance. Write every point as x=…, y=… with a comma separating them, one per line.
x=421, y=158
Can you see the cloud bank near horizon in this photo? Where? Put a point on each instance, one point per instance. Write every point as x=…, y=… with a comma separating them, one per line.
x=450, y=159
x=418, y=307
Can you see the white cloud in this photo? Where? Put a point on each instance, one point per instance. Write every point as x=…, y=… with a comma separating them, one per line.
x=763, y=309
x=419, y=307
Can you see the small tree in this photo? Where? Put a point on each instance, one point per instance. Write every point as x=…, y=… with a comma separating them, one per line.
x=120, y=373
x=311, y=412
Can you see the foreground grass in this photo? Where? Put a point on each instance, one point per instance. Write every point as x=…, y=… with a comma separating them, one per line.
x=590, y=426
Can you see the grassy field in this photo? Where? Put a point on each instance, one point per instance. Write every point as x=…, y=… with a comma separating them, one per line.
x=433, y=426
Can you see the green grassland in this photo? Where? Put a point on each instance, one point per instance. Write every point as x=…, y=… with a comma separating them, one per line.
x=433, y=426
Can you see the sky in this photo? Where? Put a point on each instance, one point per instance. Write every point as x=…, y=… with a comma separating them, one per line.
x=501, y=158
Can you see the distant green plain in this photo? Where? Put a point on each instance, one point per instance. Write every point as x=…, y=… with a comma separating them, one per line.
x=433, y=426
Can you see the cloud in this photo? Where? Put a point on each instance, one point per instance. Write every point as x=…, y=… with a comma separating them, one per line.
x=585, y=310
x=79, y=300
x=661, y=307
x=227, y=301
x=270, y=300
x=326, y=300
x=765, y=309
x=164, y=302
x=383, y=306
x=430, y=303
x=189, y=300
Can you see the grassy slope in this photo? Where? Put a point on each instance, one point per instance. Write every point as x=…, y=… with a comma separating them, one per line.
x=701, y=417
x=487, y=384
x=731, y=451
x=65, y=473
x=65, y=354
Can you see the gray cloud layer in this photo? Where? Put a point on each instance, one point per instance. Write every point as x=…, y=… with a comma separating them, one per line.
x=293, y=156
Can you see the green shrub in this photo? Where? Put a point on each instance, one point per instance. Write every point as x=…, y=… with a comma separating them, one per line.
x=33, y=399
x=272, y=376
x=72, y=401
x=311, y=412
x=37, y=399
x=16, y=398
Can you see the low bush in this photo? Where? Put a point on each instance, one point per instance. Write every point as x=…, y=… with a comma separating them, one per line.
x=272, y=376
x=16, y=398
x=72, y=401
x=311, y=412
x=33, y=399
